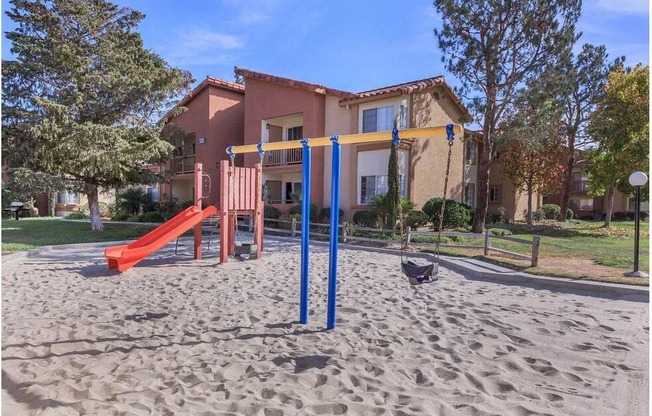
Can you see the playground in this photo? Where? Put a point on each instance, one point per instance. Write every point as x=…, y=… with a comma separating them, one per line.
x=175, y=335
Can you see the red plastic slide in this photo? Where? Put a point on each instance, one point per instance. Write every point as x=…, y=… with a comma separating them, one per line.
x=124, y=256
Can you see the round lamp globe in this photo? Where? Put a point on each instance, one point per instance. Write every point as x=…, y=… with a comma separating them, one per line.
x=637, y=179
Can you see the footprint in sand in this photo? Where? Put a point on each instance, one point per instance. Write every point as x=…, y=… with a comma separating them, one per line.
x=552, y=397
x=571, y=377
x=445, y=374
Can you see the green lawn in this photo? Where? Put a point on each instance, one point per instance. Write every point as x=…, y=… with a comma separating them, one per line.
x=564, y=247
x=29, y=233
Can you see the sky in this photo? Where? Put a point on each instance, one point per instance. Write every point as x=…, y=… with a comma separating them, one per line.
x=343, y=44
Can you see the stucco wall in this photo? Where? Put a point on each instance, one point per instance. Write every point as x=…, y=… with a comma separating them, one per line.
x=428, y=157
x=217, y=115
x=339, y=121
x=265, y=100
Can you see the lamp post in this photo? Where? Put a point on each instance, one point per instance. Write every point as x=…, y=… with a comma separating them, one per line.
x=637, y=179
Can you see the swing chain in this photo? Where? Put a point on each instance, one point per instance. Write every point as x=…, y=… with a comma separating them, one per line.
x=443, y=202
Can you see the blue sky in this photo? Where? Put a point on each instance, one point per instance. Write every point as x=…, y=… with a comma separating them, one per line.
x=344, y=44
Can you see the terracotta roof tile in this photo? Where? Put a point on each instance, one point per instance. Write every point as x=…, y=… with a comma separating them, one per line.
x=404, y=89
x=209, y=81
x=320, y=89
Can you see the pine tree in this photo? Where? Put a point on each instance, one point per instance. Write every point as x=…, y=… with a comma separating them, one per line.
x=81, y=98
x=493, y=48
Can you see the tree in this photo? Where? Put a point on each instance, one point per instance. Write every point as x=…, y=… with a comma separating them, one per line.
x=621, y=127
x=531, y=147
x=493, y=48
x=81, y=98
x=393, y=193
x=26, y=185
x=578, y=85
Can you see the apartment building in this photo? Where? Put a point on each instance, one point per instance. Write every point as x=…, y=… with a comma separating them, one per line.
x=273, y=108
x=278, y=109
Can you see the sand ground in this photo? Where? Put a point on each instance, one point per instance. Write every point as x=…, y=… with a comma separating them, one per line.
x=174, y=336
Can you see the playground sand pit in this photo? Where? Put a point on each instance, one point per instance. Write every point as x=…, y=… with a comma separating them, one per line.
x=174, y=336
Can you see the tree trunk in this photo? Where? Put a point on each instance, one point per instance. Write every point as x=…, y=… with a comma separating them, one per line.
x=609, y=201
x=52, y=203
x=530, y=191
x=484, y=167
x=94, y=207
x=568, y=178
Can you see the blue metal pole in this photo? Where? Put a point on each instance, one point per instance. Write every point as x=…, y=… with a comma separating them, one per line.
x=334, y=235
x=305, y=232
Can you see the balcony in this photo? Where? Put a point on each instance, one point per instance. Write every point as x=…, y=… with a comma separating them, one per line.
x=579, y=186
x=283, y=157
x=183, y=164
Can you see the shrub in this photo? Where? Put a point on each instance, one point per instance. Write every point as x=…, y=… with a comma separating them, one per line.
x=498, y=216
x=569, y=214
x=187, y=204
x=325, y=213
x=120, y=216
x=168, y=206
x=314, y=211
x=549, y=211
x=366, y=218
x=455, y=213
x=644, y=215
x=500, y=231
x=415, y=219
x=151, y=216
x=131, y=200
x=620, y=216
x=271, y=212
x=77, y=215
x=538, y=215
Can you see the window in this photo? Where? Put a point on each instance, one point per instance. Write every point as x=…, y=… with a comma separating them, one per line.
x=469, y=194
x=469, y=153
x=272, y=192
x=292, y=192
x=376, y=185
x=582, y=204
x=151, y=192
x=494, y=194
x=579, y=182
x=295, y=133
x=67, y=198
x=378, y=119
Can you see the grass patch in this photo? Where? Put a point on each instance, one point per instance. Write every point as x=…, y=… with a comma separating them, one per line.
x=29, y=233
x=571, y=250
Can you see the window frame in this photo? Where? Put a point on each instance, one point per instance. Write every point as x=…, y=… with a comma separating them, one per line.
x=466, y=200
x=389, y=121
x=69, y=198
x=495, y=189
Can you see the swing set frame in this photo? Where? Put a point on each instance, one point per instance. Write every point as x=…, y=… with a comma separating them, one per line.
x=335, y=141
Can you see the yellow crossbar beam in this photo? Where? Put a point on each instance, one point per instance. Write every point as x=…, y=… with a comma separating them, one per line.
x=420, y=133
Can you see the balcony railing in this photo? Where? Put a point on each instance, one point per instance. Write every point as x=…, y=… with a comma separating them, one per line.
x=183, y=164
x=579, y=186
x=283, y=157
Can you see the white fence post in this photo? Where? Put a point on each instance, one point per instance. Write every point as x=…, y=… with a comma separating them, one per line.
x=487, y=242
x=408, y=239
x=294, y=227
x=344, y=235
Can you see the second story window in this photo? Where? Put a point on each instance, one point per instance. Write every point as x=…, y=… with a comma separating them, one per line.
x=295, y=133
x=378, y=119
x=469, y=154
